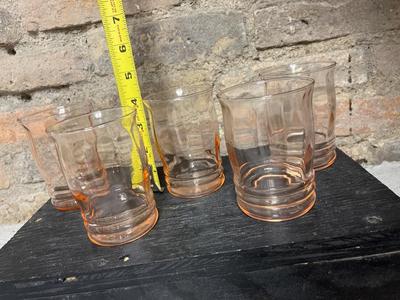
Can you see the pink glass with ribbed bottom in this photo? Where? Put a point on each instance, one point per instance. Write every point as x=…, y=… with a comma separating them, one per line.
x=269, y=136
x=105, y=165
x=324, y=104
x=188, y=141
x=44, y=151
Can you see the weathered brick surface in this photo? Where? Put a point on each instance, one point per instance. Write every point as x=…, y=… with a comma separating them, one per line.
x=297, y=22
x=176, y=40
x=22, y=191
x=20, y=202
x=18, y=163
x=377, y=115
x=10, y=28
x=98, y=52
x=185, y=39
x=386, y=58
x=40, y=69
x=4, y=179
x=198, y=36
x=52, y=14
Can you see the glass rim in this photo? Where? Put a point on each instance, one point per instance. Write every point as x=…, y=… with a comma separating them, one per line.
x=314, y=66
x=202, y=88
x=55, y=128
x=310, y=82
x=36, y=116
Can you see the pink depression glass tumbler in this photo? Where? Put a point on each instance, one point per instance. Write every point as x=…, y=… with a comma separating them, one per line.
x=106, y=169
x=269, y=135
x=44, y=151
x=187, y=138
x=324, y=104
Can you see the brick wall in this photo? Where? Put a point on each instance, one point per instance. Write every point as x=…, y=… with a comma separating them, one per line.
x=53, y=51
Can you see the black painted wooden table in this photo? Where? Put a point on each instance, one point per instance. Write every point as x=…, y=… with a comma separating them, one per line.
x=347, y=246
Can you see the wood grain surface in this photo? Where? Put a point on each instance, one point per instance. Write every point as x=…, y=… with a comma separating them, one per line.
x=207, y=248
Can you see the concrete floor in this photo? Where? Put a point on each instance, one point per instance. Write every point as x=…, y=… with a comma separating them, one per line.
x=7, y=231
x=387, y=172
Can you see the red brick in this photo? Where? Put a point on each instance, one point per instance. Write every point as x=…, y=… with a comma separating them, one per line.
x=342, y=116
x=11, y=131
x=375, y=116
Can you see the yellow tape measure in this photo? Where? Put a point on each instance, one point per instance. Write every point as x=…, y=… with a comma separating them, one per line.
x=120, y=49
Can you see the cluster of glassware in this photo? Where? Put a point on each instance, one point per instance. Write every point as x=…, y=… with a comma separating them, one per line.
x=278, y=127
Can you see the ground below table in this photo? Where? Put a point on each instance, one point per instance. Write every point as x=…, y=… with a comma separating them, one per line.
x=346, y=246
